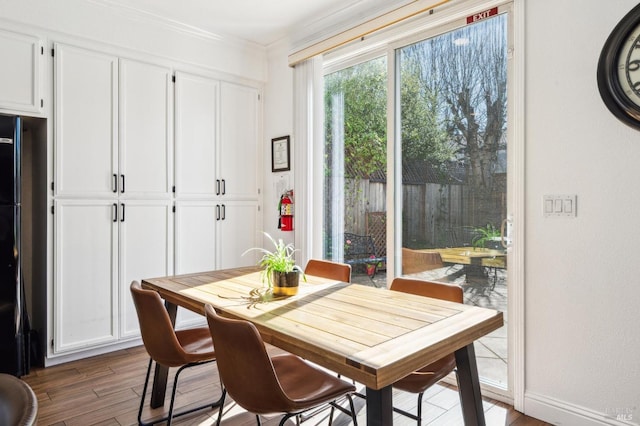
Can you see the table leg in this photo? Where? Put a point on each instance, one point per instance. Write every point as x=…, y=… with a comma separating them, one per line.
x=469, y=384
x=379, y=407
x=162, y=373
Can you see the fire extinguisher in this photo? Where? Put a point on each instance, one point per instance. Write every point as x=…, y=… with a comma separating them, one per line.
x=285, y=207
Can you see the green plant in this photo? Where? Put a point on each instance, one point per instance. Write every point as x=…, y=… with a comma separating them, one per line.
x=280, y=259
x=484, y=234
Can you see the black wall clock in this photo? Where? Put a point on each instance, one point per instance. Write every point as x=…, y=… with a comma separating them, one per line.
x=619, y=70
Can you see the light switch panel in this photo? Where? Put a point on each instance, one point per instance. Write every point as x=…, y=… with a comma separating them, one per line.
x=560, y=205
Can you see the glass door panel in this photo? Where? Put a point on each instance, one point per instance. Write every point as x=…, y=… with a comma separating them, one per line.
x=453, y=103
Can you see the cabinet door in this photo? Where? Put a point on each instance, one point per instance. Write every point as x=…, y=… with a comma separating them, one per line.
x=146, y=250
x=86, y=125
x=240, y=148
x=20, y=72
x=85, y=301
x=195, y=245
x=146, y=122
x=237, y=230
x=196, y=108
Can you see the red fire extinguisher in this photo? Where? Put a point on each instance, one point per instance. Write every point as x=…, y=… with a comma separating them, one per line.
x=285, y=206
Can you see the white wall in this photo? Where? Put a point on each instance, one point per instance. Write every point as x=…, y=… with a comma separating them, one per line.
x=278, y=121
x=582, y=274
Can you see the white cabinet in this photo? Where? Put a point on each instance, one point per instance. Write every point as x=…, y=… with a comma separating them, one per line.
x=239, y=145
x=101, y=247
x=113, y=186
x=218, y=151
x=85, y=301
x=86, y=120
x=213, y=235
x=146, y=130
x=20, y=72
x=196, y=123
x=113, y=132
x=218, y=167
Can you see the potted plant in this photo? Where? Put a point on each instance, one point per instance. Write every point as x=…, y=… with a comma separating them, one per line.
x=279, y=269
x=485, y=235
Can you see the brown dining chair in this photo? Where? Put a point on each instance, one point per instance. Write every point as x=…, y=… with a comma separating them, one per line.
x=169, y=348
x=328, y=269
x=261, y=384
x=419, y=381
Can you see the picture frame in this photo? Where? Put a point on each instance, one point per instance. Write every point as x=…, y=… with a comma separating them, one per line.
x=281, y=154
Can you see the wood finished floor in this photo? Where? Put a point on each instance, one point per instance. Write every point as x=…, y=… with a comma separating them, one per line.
x=105, y=390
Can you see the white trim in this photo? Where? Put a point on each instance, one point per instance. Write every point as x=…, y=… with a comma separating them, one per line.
x=559, y=412
x=516, y=336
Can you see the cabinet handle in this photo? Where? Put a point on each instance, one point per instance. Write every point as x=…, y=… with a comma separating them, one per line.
x=114, y=185
x=217, y=211
x=122, y=218
x=224, y=187
x=115, y=213
x=224, y=211
x=122, y=178
x=217, y=186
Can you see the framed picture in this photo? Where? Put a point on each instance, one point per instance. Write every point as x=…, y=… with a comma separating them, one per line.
x=280, y=154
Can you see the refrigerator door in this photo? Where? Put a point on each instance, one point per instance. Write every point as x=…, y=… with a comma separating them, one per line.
x=9, y=160
x=11, y=340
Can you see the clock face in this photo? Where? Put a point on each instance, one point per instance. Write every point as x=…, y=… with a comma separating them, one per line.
x=619, y=70
x=629, y=67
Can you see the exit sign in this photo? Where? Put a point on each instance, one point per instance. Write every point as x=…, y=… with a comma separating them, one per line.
x=482, y=15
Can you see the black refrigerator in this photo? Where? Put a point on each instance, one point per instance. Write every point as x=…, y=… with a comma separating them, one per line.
x=14, y=319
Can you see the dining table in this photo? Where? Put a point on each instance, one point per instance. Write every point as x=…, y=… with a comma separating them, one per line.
x=374, y=336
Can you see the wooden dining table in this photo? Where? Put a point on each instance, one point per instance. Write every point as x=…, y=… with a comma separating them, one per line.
x=374, y=336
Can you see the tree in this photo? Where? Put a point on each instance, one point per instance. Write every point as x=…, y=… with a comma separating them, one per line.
x=466, y=70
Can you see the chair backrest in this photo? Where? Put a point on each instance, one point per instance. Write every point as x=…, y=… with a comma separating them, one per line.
x=245, y=366
x=158, y=336
x=418, y=261
x=327, y=269
x=450, y=292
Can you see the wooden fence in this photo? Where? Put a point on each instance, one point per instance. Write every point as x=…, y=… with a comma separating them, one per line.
x=434, y=215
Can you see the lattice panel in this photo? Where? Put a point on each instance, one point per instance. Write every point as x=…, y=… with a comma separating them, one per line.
x=377, y=228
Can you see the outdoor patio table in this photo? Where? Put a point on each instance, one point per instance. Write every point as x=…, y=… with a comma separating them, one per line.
x=374, y=336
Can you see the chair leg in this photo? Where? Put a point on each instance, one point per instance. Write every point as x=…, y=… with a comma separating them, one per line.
x=420, y=408
x=144, y=392
x=258, y=420
x=221, y=407
x=170, y=415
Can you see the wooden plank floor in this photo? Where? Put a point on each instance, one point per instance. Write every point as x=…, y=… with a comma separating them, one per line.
x=105, y=390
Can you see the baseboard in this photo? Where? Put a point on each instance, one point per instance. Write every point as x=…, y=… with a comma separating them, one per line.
x=52, y=360
x=561, y=413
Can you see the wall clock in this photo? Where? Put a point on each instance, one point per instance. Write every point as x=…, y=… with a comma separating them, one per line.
x=619, y=70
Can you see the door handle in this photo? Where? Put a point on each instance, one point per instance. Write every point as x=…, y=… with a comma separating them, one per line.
x=114, y=185
x=224, y=211
x=217, y=211
x=122, y=179
x=114, y=214
x=122, y=218
x=503, y=231
x=224, y=187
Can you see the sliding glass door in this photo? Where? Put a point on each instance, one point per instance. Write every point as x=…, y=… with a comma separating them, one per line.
x=453, y=120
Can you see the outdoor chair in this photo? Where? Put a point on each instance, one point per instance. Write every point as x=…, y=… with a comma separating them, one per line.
x=419, y=381
x=414, y=261
x=169, y=348
x=266, y=385
x=330, y=270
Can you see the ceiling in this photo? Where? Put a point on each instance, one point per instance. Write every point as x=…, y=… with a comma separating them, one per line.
x=259, y=21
